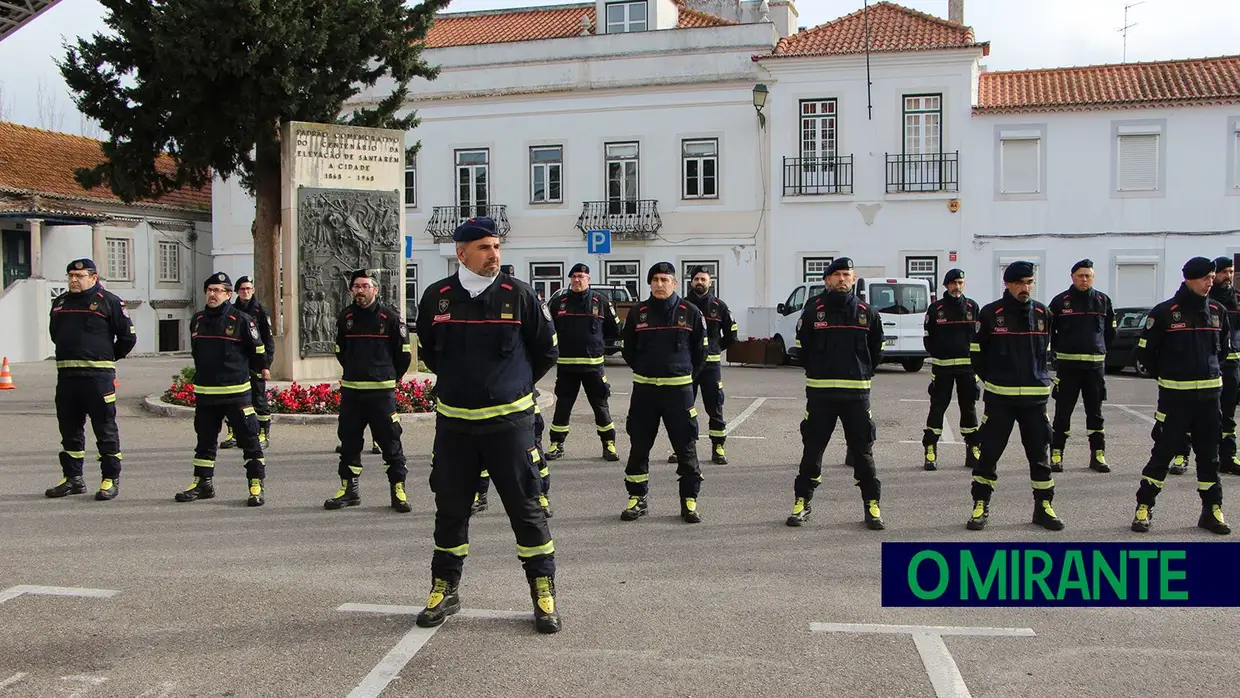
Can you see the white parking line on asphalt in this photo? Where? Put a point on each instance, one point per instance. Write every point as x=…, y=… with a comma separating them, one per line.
x=14, y=592
x=949, y=436
x=740, y=418
x=88, y=682
x=945, y=676
x=1134, y=413
x=15, y=678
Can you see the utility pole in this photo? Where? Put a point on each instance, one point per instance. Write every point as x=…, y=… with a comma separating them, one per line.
x=1124, y=29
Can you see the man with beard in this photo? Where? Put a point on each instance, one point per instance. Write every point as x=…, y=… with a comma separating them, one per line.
x=948, y=333
x=664, y=341
x=1010, y=356
x=841, y=342
x=92, y=330
x=1185, y=342
x=1224, y=293
x=720, y=334
x=1083, y=323
x=488, y=339
x=248, y=304
x=372, y=346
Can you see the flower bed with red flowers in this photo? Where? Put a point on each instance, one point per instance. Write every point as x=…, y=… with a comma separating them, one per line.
x=412, y=396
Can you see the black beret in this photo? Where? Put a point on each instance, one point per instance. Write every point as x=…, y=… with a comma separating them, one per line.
x=579, y=267
x=218, y=277
x=361, y=274
x=81, y=265
x=699, y=270
x=1083, y=264
x=1198, y=268
x=661, y=268
x=1017, y=271
x=837, y=264
x=244, y=280
x=952, y=275
x=475, y=229
x=1221, y=263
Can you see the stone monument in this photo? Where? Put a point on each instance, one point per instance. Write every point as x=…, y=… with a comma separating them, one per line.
x=342, y=209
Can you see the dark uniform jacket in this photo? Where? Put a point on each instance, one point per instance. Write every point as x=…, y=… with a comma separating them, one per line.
x=841, y=342
x=664, y=341
x=720, y=327
x=1185, y=341
x=226, y=348
x=1083, y=328
x=487, y=352
x=92, y=330
x=372, y=346
x=948, y=333
x=1229, y=298
x=259, y=314
x=1011, y=347
x=583, y=323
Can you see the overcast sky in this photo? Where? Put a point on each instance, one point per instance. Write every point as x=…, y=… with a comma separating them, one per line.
x=1022, y=34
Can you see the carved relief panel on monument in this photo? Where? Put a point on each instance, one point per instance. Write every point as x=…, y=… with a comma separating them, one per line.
x=339, y=231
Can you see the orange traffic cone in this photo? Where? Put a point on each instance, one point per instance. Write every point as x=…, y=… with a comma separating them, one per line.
x=6, y=378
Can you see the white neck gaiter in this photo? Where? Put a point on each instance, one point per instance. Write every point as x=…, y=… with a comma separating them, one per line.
x=474, y=283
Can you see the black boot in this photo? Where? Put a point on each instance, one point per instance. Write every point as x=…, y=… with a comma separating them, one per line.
x=1098, y=461
x=442, y=602
x=930, y=458
x=673, y=458
x=66, y=486
x=688, y=510
x=1231, y=465
x=636, y=509
x=973, y=454
x=717, y=456
x=265, y=432
x=1044, y=515
x=374, y=448
x=400, y=502
x=556, y=451
x=229, y=441
x=542, y=593
x=108, y=488
x=1142, y=519
x=980, y=515
x=545, y=504
x=1212, y=519
x=202, y=488
x=480, y=503
x=873, y=517
x=800, y=512
x=1056, y=460
x=348, y=496
x=1178, y=464
x=256, y=493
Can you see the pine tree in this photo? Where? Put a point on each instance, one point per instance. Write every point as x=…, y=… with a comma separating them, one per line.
x=210, y=82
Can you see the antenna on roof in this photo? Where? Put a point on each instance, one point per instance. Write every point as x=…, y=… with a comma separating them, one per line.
x=868, y=84
x=1124, y=29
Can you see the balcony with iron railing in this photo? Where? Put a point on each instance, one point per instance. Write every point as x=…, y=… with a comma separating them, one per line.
x=928, y=172
x=445, y=219
x=815, y=176
x=627, y=219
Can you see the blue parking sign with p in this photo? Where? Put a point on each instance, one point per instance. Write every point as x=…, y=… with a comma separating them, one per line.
x=598, y=242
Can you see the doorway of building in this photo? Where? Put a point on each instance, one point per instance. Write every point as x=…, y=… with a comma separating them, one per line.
x=16, y=247
x=169, y=335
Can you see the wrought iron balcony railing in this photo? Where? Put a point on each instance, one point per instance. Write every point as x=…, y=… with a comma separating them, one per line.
x=923, y=173
x=633, y=219
x=814, y=176
x=445, y=219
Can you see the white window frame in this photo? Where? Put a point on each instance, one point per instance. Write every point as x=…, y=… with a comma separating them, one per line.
x=120, y=259
x=411, y=185
x=1136, y=181
x=169, y=262
x=1128, y=137
x=546, y=169
x=615, y=154
x=633, y=281
x=1012, y=150
x=931, y=274
x=922, y=124
x=819, y=128
x=542, y=281
x=411, y=288
x=479, y=196
x=1233, y=155
x=712, y=265
x=813, y=267
x=627, y=23
x=700, y=161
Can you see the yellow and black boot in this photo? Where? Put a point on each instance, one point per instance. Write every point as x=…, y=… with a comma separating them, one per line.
x=1179, y=464
x=1142, y=519
x=66, y=487
x=1056, y=460
x=480, y=503
x=1212, y=519
x=256, y=493
x=673, y=458
x=718, y=456
x=348, y=496
x=556, y=451
x=873, y=516
x=229, y=440
x=688, y=510
x=1044, y=515
x=973, y=454
x=635, y=509
x=800, y=512
x=609, y=452
x=1098, y=461
x=201, y=488
x=264, y=435
x=545, y=504
x=400, y=502
x=109, y=487
x=1231, y=466
x=374, y=448
x=442, y=602
x=980, y=515
x=542, y=593
x=930, y=458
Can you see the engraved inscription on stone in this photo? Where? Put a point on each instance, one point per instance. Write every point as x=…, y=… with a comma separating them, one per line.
x=340, y=231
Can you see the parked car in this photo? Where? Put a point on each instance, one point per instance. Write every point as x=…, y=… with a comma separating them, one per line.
x=1129, y=323
x=621, y=298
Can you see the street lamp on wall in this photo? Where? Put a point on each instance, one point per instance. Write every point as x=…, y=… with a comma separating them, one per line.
x=759, y=101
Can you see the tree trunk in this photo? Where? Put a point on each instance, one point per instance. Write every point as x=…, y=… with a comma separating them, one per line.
x=267, y=196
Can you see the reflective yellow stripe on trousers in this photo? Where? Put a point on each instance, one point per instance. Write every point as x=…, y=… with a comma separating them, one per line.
x=1018, y=390
x=1207, y=384
x=221, y=389
x=368, y=385
x=673, y=380
x=482, y=413
x=951, y=362
x=77, y=363
x=837, y=383
x=579, y=360
x=1092, y=358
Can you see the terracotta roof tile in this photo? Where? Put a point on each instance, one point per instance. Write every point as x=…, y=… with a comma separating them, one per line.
x=1189, y=81
x=891, y=27
x=529, y=24
x=34, y=205
x=34, y=161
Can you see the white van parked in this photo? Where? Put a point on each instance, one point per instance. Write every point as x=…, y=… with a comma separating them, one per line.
x=901, y=303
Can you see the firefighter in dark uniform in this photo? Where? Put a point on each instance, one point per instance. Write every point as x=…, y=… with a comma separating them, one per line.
x=664, y=342
x=584, y=320
x=947, y=335
x=372, y=346
x=227, y=350
x=720, y=334
x=544, y=472
x=248, y=304
x=488, y=339
x=92, y=330
x=1186, y=340
x=1010, y=353
x=1224, y=293
x=841, y=344
x=1083, y=323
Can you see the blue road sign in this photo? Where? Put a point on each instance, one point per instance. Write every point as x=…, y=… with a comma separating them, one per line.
x=598, y=242
x=408, y=247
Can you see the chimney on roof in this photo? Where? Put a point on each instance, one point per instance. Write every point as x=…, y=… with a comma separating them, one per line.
x=955, y=11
